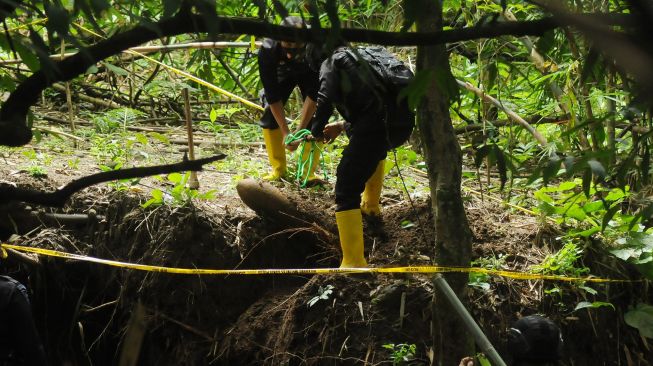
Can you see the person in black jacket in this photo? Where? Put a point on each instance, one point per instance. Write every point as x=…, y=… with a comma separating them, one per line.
x=282, y=67
x=19, y=340
x=531, y=341
x=376, y=121
x=534, y=340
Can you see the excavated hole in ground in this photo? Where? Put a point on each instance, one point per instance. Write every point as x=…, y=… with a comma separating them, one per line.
x=84, y=309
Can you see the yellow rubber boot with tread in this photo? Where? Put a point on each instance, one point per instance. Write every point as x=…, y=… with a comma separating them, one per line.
x=350, y=231
x=370, y=203
x=276, y=153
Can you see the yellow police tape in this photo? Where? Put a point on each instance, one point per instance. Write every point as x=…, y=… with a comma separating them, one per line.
x=307, y=271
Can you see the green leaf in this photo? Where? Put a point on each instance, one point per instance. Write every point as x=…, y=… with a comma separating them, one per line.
x=417, y=88
x=407, y=224
x=608, y=216
x=589, y=290
x=641, y=318
x=115, y=69
x=157, y=194
x=141, y=138
x=541, y=195
x=589, y=232
x=38, y=136
x=638, y=240
x=29, y=58
x=615, y=194
x=597, y=168
x=159, y=137
x=7, y=83
x=594, y=305
x=213, y=115
x=593, y=206
x=626, y=253
x=576, y=212
x=587, y=182
x=175, y=178
x=483, y=361
x=567, y=186
x=93, y=69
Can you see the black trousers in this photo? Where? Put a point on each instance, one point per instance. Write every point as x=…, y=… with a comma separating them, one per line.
x=369, y=143
x=287, y=83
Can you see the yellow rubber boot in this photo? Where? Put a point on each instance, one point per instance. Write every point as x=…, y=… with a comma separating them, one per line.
x=276, y=153
x=372, y=193
x=350, y=231
x=310, y=170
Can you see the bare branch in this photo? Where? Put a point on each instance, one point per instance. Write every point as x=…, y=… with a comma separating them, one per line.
x=514, y=116
x=60, y=196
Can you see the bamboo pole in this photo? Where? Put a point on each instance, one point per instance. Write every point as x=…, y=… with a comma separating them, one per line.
x=134, y=334
x=193, y=182
x=480, y=338
x=157, y=48
x=69, y=99
x=96, y=101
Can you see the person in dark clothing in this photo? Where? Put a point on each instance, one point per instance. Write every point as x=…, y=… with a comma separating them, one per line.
x=282, y=67
x=534, y=340
x=376, y=121
x=531, y=340
x=19, y=340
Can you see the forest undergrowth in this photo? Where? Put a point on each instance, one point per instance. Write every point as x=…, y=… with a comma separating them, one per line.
x=85, y=309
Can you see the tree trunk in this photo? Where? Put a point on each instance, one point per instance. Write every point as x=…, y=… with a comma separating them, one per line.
x=443, y=157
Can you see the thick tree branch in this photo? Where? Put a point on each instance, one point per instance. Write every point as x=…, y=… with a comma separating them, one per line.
x=59, y=197
x=8, y=7
x=14, y=130
x=538, y=120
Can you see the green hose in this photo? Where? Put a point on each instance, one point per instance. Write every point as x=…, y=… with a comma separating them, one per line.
x=301, y=163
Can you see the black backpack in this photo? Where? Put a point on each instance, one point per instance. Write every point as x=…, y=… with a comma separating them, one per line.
x=392, y=74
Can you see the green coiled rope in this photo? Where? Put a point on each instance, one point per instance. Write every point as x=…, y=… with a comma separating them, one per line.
x=301, y=162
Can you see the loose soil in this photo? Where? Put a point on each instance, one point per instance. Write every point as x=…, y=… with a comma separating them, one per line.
x=83, y=309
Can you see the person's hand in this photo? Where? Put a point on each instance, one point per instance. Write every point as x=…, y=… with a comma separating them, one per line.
x=467, y=361
x=333, y=130
x=293, y=145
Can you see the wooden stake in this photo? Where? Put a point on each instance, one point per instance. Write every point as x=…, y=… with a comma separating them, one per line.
x=69, y=100
x=193, y=182
x=131, y=346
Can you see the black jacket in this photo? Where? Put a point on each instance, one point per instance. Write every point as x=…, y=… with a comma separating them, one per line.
x=356, y=93
x=19, y=341
x=274, y=67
